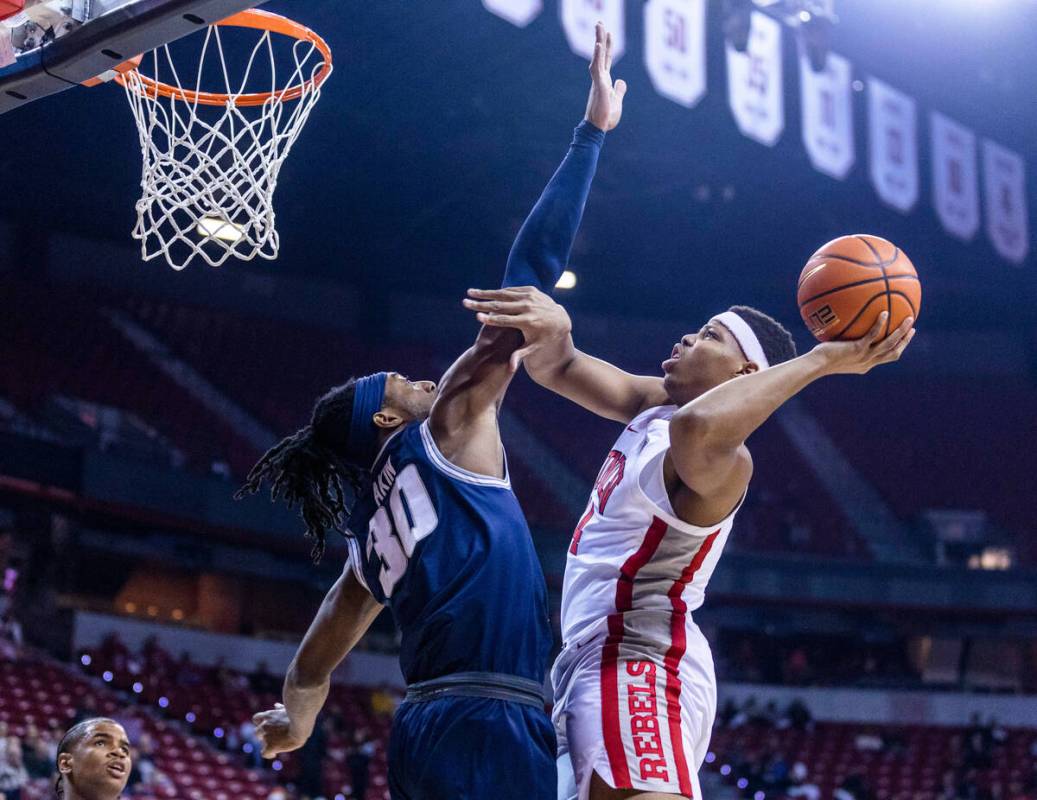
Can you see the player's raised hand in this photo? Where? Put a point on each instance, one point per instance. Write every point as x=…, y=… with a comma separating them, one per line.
x=525, y=308
x=605, y=104
x=275, y=732
x=859, y=356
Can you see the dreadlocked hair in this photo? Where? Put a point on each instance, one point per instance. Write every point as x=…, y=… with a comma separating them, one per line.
x=310, y=467
x=73, y=736
x=777, y=343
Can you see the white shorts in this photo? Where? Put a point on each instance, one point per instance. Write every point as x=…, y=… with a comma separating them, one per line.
x=635, y=705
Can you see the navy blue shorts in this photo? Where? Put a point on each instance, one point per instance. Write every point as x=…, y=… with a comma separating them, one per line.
x=472, y=748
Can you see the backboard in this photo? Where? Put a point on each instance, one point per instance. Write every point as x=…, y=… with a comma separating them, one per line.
x=47, y=46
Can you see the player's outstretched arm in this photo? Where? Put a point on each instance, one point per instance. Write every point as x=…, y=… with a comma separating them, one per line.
x=707, y=436
x=553, y=361
x=464, y=418
x=541, y=249
x=343, y=618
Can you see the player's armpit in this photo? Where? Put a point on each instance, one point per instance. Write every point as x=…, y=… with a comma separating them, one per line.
x=463, y=421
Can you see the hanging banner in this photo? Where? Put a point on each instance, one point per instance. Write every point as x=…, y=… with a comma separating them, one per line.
x=1004, y=196
x=955, y=178
x=675, y=48
x=517, y=12
x=827, y=102
x=579, y=18
x=754, y=89
x=893, y=145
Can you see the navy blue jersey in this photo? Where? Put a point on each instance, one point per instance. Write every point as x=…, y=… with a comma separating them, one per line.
x=450, y=553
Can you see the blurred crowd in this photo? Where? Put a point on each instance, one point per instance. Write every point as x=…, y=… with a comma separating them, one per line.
x=770, y=772
x=818, y=660
x=333, y=739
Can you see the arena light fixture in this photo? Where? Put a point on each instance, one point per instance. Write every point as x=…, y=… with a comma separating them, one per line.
x=567, y=280
x=814, y=21
x=216, y=228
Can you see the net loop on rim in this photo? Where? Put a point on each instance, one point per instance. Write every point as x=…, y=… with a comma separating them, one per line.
x=211, y=160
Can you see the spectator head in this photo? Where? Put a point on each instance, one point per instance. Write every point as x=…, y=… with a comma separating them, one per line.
x=93, y=761
x=13, y=752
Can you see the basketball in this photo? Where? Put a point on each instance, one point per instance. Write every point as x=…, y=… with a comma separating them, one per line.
x=848, y=282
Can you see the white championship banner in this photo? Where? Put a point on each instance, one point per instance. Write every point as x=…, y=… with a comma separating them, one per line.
x=827, y=102
x=892, y=145
x=675, y=48
x=579, y=18
x=955, y=176
x=517, y=12
x=1004, y=191
x=754, y=87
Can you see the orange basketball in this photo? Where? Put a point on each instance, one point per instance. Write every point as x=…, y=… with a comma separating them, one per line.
x=848, y=282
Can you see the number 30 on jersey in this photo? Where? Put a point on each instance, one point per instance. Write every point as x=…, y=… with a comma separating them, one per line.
x=393, y=533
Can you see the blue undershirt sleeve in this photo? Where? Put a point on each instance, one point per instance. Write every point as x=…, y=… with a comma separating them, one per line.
x=541, y=249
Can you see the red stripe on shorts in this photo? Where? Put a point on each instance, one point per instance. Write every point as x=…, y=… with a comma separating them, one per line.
x=610, y=653
x=678, y=646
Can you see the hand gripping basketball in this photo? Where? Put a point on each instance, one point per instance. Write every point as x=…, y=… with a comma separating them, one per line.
x=860, y=355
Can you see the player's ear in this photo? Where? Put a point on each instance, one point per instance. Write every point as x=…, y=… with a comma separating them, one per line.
x=65, y=763
x=387, y=418
x=748, y=368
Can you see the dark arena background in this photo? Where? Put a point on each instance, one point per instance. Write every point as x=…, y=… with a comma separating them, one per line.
x=874, y=619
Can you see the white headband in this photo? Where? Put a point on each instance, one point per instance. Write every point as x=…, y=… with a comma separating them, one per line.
x=745, y=337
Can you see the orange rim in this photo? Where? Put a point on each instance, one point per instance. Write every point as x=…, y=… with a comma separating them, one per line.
x=259, y=20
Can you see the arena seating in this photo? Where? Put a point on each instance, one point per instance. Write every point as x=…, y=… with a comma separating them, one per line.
x=55, y=343
x=214, y=702
x=909, y=765
x=37, y=691
x=969, y=434
x=897, y=762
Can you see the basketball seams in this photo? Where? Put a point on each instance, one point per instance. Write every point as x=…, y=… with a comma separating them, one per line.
x=914, y=311
x=859, y=314
x=854, y=285
x=885, y=277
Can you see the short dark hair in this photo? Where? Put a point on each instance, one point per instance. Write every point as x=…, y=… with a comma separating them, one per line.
x=72, y=738
x=778, y=344
x=309, y=467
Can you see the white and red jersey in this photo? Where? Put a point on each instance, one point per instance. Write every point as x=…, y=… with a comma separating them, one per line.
x=630, y=552
x=635, y=693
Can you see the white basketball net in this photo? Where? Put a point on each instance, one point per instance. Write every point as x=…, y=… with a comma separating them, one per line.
x=209, y=172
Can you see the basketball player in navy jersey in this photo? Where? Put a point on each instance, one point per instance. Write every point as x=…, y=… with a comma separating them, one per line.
x=436, y=534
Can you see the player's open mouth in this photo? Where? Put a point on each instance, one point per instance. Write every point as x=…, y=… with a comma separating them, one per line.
x=118, y=770
x=675, y=356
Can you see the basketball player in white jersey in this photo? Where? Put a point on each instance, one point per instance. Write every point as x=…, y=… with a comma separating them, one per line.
x=635, y=693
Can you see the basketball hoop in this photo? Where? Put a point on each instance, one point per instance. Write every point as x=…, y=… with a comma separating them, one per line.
x=211, y=159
